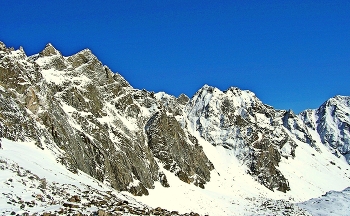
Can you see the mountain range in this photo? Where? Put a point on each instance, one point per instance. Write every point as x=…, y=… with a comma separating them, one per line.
x=216, y=153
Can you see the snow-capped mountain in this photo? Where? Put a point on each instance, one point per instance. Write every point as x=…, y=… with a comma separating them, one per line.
x=330, y=124
x=226, y=150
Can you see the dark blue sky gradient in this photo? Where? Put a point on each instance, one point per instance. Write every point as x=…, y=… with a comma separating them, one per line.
x=292, y=54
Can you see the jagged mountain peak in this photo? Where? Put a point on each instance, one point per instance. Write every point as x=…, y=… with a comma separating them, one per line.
x=338, y=100
x=232, y=92
x=87, y=53
x=233, y=97
x=341, y=98
x=337, y=107
x=2, y=46
x=49, y=50
x=10, y=53
x=85, y=56
x=206, y=89
x=50, y=57
x=236, y=90
x=330, y=125
x=183, y=99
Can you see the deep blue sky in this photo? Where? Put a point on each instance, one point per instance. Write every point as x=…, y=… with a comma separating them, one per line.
x=291, y=54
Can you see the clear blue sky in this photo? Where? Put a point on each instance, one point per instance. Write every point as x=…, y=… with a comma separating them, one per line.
x=291, y=54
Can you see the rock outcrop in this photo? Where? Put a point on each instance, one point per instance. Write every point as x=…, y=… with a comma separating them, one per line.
x=177, y=150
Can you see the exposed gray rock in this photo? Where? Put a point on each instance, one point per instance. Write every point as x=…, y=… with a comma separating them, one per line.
x=49, y=50
x=75, y=105
x=331, y=122
x=2, y=46
x=238, y=121
x=183, y=99
x=173, y=147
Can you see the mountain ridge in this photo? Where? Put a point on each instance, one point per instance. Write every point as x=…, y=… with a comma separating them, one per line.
x=132, y=139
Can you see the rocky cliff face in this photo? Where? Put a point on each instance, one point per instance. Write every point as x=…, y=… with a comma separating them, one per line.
x=94, y=119
x=177, y=150
x=330, y=125
x=239, y=121
x=96, y=122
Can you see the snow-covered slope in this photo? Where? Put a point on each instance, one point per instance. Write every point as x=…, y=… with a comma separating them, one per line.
x=333, y=203
x=32, y=181
x=231, y=191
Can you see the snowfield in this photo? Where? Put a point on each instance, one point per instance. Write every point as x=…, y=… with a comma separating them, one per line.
x=232, y=191
x=32, y=181
x=331, y=203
